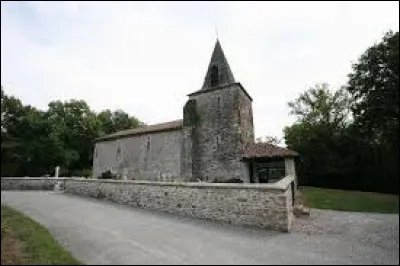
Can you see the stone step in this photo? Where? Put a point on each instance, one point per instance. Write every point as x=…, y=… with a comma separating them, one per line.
x=300, y=210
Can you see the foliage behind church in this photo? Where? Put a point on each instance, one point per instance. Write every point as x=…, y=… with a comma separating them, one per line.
x=350, y=138
x=33, y=141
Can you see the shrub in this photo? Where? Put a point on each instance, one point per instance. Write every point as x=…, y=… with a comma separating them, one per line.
x=108, y=175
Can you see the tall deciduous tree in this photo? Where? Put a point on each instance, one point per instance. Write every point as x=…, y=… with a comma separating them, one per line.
x=374, y=85
x=322, y=116
x=73, y=127
x=320, y=105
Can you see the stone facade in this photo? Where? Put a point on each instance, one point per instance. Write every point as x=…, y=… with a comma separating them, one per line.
x=188, y=145
x=223, y=124
x=153, y=156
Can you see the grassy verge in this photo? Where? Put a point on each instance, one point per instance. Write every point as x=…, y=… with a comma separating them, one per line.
x=23, y=241
x=354, y=201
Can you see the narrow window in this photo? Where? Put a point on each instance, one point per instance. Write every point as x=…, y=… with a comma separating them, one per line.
x=118, y=153
x=214, y=76
x=219, y=107
x=148, y=144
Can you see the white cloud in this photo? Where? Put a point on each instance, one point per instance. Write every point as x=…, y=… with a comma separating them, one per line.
x=145, y=57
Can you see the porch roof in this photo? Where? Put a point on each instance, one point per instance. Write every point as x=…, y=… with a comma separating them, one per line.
x=266, y=150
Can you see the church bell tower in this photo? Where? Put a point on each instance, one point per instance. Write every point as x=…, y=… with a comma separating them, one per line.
x=217, y=122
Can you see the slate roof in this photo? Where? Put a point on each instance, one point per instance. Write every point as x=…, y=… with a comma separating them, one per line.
x=266, y=150
x=167, y=126
x=219, y=61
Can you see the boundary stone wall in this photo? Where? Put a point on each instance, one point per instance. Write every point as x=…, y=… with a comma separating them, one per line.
x=29, y=183
x=267, y=206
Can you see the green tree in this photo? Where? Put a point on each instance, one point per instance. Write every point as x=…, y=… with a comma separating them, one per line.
x=111, y=122
x=23, y=138
x=11, y=114
x=322, y=117
x=374, y=86
x=321, y=106
x=73, y=128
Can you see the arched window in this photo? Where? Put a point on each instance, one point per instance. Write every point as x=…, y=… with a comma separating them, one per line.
x=214, y=76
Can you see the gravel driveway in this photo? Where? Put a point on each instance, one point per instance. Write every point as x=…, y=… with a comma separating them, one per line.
x=106, y=233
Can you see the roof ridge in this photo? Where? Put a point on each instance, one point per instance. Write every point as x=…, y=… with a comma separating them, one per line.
x=160, y=127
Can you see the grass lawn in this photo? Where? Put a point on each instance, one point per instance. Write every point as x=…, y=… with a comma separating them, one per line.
x=344, y=200
x=23, y=241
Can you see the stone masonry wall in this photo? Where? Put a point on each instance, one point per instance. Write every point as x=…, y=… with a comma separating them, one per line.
x=29, y=183
x=188, y=145
x=153, y=156
x=224, y=123
x=267, y=206
x=245, y=113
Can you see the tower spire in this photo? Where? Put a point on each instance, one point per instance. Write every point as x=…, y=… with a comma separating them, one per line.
x=219, y=72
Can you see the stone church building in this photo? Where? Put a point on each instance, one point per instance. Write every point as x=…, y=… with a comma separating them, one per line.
x=213, y=143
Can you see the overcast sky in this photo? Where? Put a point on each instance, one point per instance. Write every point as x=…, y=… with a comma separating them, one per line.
x=146, y=57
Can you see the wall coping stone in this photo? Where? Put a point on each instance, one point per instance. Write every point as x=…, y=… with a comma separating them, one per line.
x=281, y=185
x=35, y=178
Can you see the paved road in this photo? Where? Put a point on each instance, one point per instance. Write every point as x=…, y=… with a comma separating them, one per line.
x=100, y=232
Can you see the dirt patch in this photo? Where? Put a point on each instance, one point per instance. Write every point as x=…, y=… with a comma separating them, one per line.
x=10, y=247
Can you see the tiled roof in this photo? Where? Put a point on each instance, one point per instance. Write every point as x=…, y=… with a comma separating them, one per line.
x=260, y=150
x=177, y=124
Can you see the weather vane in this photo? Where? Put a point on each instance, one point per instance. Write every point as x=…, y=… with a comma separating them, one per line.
x=216, y=31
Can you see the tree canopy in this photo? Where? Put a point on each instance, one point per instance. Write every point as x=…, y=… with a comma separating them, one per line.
x=33, y=142
x=349, y=138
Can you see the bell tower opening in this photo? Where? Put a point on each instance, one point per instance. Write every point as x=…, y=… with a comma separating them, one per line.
x=214, y=76
x=218, y=72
